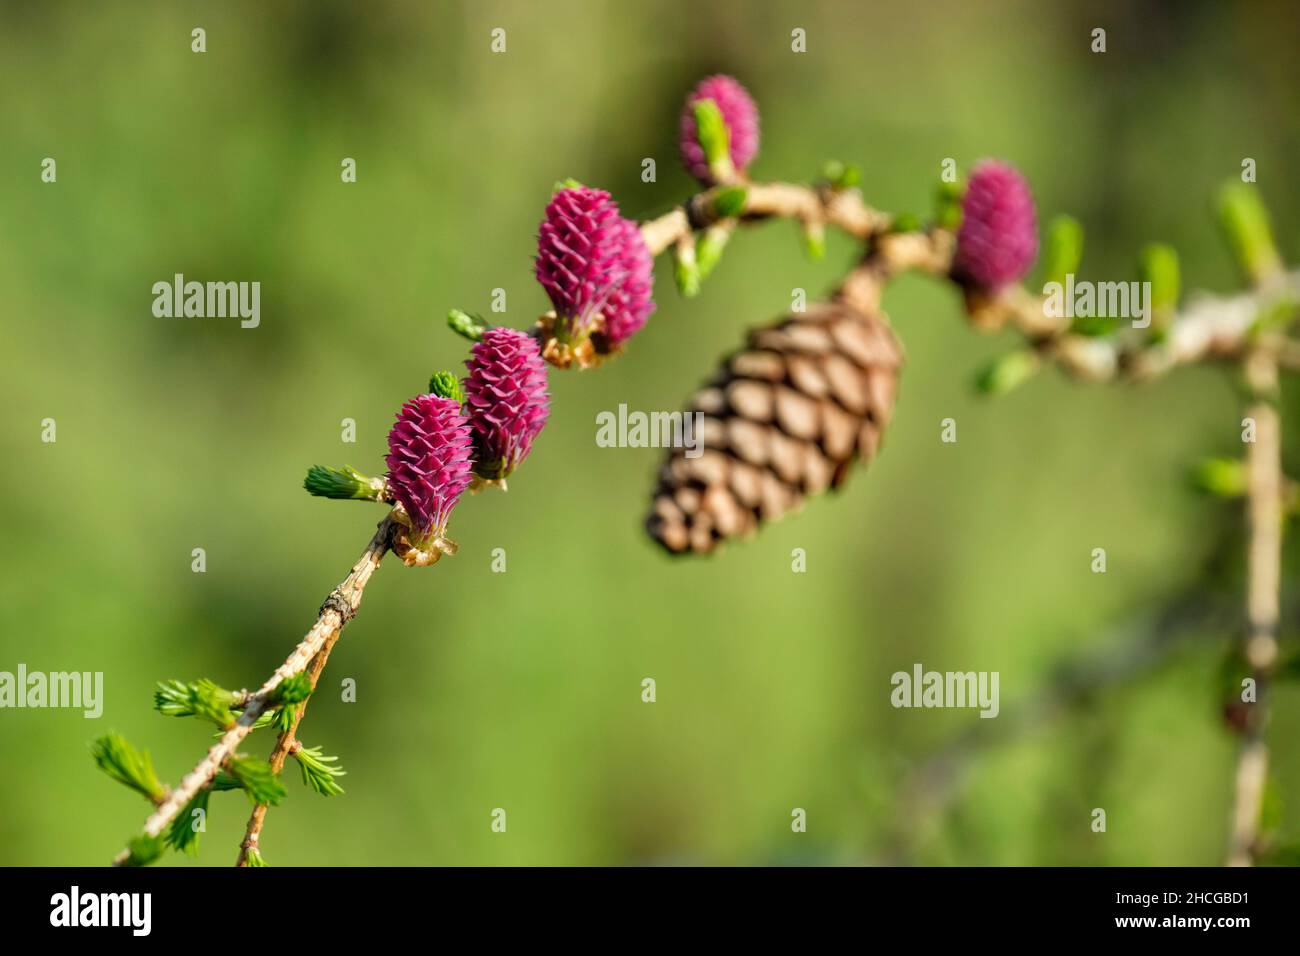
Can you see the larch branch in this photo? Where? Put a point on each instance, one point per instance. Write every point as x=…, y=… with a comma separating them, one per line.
x=338, y=609
x=1210, y=327
x=1264, y=514
x=285, y=745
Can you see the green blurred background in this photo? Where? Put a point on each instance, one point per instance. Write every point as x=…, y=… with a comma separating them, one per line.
x=522, y=690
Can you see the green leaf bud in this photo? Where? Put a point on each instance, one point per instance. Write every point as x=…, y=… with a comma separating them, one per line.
x=446, y=385
x=1009, y=372
x=319, y=771
x=1062, y=249
x=841, y=175
x=128, y=766
x=183, y=835
x=257, y=779
x=947, y=204
x=709, y=250
x=292, y=689
x=1245, y=225
x=1223, y=477
x=714, y=138
x=344, y=483
x=470, y=326
x=729, y=201
x=1158, y=265
x=144, y=849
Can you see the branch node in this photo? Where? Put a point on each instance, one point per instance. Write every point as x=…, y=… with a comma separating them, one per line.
x=340, y=605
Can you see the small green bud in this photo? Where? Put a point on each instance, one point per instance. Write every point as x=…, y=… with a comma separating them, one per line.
x=183, y=836
x=265, y=719
x=947, y=204
x=905, y=222
x=344, y=483
x=1063, y=249
x=128, y=766
x=172, y=699
x=292, y=689
x=1009, y=372
x=1224, y=477
x=710, y=248
x=319, y=771
x=1245, y=225
x=1158, y=264
x=254, y=857
x=223, y=781
x=200, y=699
x=814, y=240
x=686, y=269
x=841, y=175
x=446, y=385
x=284, y=717
x=729, y=201
x=144, y=849
x=257, y=779
x=470, y=326
x=715, y=138
x=563, y=184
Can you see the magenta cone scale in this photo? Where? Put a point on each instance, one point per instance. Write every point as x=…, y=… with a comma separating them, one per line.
x=740, y=114
x=592, y=263
x=998, y=237
x=505, y=396
x=629, y=302
x=429, y=460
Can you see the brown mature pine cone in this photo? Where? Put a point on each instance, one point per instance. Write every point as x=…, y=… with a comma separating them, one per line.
x=784, y=418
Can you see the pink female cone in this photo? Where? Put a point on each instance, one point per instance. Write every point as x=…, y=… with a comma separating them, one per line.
x=506, y=399
x=429, y=461
x=998, y=237
x=594, y=266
